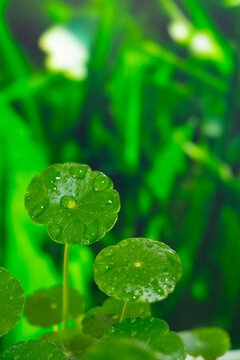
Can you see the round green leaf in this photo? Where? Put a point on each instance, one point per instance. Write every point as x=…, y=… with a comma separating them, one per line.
x=44, y=307
x=119, y=349
x=11, y=301
x=210, y=343
x=152, y=331
x=78, y=205
x=137, y=270
x=71, y=341
x=96, y=322
x=113, y=307
x=33, y=350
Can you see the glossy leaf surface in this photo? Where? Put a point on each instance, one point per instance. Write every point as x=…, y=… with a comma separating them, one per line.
x=137, y=270
x=33, y=350
x=11, y=301
x=78, y=205
x=210, y=343
x=119, y=349
x=44, y=307
x=152, y=331
x=72, y=342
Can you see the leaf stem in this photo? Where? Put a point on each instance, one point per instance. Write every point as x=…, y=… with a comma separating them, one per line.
x=65, y=287
x=124, y=311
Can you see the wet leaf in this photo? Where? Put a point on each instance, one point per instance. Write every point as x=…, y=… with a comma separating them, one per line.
x=210, y=343
x=44, y=307
x=71, y=341
x=33, y=350
x=152, y=331
x=11, y=301
x=137, y=270
x=78, y=205
x=119, y=349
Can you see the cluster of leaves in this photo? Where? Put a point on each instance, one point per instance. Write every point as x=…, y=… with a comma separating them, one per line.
x=79, y=206
x=163, y=78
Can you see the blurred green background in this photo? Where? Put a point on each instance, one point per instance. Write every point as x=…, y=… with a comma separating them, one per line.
x=147, y=92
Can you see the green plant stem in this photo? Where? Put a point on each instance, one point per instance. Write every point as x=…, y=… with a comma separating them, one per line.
x=124, y=311
x=65, y=287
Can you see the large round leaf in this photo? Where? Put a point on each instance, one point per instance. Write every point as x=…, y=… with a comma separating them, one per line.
x=210, y=343
x=33, y=350
x=78, y=205
x=119, y=349
x=137, y=270
x=71, y=341
x=11, y=301
x=44, y=307
x=152, y=331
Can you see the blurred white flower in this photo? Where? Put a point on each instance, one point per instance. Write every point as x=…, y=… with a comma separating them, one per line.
x=65, y=52
x=179, y=31
x=203, y=44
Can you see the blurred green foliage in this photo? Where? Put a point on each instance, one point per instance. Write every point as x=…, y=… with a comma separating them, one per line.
x=147, y=92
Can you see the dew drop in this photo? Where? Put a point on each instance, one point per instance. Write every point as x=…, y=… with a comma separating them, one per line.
x=107, y=253
x=11, y=298
x=109, y=202
x=68, y=202
x=123, y=243
x=27, y=200
x=111, y=290
x=54, y=231
x=91, y=231
x=101, y=183
x=103, y=268
x=50, y=356
x=39, y=208
x=78, y=171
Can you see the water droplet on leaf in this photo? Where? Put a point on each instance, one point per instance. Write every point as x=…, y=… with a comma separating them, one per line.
x=108, y=253
x=39, y=208
x=101, y=183
x=123, y=243
x=68, y=202
x=78, y=171
x=54, y=231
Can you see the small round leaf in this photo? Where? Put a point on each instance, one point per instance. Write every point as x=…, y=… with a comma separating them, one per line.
x=44, y=307
x=119, y=349
x=71, y=341
x=210, y=343
x=11, y=301
x=137, y=270
x=33, y=350
x=78, y=205
x=152, y=331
